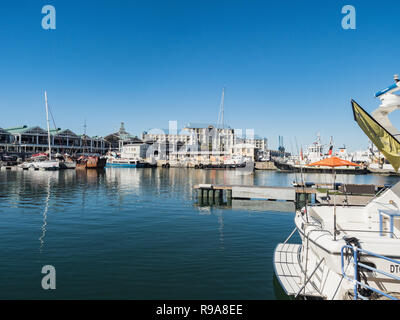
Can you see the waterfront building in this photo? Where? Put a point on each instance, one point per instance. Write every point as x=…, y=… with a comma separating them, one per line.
x=120, y=138
x=246, y=150
x=203, y=142
x=134, y=151
x=164, y=142
x=5, y=138
x=258, y=144
x=34, y=139
x=167, y=137
x=210, y=137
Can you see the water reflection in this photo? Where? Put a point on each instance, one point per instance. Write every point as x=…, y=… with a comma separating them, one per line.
x=27, y=188
x=136, y=233
x=221, y=230
x=46, y=208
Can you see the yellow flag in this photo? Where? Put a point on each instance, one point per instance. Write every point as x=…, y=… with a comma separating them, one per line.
x=381, y=138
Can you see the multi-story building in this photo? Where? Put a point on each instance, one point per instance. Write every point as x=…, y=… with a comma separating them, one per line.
x=134, y=151
x=260, y=145
x=5, y=137
x=245, y=150
x=203, y=140
x=26, y=139
x=164, y=142
x=208, y=137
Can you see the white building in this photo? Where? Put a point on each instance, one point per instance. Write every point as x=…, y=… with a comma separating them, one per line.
x=210, y=138
x=134, y=151
x=197, y=141
x=245, y=150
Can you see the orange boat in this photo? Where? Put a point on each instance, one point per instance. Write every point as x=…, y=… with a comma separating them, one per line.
x=91, y=162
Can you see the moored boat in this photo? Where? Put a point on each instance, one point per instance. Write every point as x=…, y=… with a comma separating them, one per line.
x=288, y=167
x=348, y=252
x=65, y=161
x=124, y=163
x=43, y=161
x=91, y=162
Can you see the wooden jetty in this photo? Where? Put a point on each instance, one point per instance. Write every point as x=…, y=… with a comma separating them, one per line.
x=209, y=194
x=216, y=193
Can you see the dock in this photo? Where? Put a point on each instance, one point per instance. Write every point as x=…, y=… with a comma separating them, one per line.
x=209, y=194
x=253, y=192
x=217, y=194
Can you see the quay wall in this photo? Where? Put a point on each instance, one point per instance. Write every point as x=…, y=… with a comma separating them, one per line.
x=267, y=165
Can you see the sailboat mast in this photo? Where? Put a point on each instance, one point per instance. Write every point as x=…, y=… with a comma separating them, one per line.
x=222, y=108
x=220, y=122
x=48, y=124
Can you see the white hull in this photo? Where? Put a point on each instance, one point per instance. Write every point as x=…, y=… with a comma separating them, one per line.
x=319, y=257
x=385, y=168
x=67, y=165
x=47, y=165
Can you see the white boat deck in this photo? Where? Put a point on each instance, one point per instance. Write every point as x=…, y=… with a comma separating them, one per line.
x=288, y=271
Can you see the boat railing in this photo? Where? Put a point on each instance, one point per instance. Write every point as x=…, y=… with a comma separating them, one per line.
x=309, y=278
x=357, y=283
x=378, y=232
x=378, y=194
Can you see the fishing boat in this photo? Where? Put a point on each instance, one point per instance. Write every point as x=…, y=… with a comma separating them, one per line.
x=315, y=153
x=235, y=161
x=91, y=162
x=8, y=160
x=349, y=252
x=128, y=157
x=124, y=163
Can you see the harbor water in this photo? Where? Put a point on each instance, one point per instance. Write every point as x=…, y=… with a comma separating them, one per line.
x=138, y=234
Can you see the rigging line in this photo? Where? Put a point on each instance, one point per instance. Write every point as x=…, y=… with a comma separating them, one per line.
x=295, y=173
x=303, y=182
x=54, y=122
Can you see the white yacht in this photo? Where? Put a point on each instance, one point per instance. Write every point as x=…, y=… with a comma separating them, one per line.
x=348, y=252
x=361, y=261
x=40, y=161
x=43, y=161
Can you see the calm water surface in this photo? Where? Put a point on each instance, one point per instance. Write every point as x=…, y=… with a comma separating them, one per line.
x=138, y=234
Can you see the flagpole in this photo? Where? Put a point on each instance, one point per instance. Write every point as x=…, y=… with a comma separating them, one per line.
x=334, y=205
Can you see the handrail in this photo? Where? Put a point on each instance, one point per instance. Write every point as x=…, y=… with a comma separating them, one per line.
x=378, y=194
x=357, y=263
x=309, y=278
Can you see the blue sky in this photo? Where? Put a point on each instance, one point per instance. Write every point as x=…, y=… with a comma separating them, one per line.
x=288, y=66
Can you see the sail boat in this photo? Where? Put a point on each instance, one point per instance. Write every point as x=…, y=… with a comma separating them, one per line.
x=349, y=252
x=47, y=164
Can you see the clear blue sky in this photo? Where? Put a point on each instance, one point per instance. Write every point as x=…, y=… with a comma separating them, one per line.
x=288, y=67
